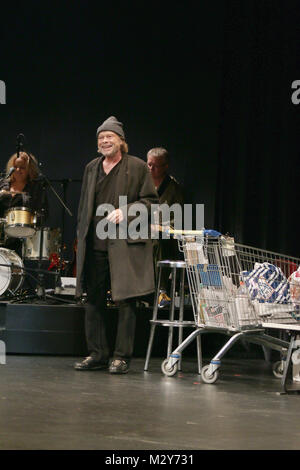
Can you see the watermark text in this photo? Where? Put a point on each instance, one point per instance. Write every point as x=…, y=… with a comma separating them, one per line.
x=2, y=92
x=296, y=94
x=142, y=222
x=2, y=352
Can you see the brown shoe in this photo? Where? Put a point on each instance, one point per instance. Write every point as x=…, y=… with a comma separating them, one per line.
x=119, y=366
x=89, y=363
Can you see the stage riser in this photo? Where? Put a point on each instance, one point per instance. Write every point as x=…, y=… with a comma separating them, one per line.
x=59, y=330
x=43, y=329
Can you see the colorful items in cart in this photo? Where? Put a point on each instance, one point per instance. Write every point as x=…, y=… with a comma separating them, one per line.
x=267, y=283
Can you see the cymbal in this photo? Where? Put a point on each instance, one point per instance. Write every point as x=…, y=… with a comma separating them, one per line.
x=18, y=192
x=12, y=192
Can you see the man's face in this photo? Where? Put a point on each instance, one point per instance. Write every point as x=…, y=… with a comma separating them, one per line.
x=157, y=166
x=109, y=143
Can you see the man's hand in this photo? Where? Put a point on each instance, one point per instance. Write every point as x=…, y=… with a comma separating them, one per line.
x=115, y=216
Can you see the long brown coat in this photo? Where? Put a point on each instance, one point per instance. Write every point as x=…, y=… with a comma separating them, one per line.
x=131, y=261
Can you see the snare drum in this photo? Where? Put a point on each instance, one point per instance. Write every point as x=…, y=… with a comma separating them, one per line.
x=20, y=222
x=51, y=244
x=11, y=276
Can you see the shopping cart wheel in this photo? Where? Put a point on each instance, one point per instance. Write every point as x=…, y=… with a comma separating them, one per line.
x=167, y=370
x=209, y=378
x=277, y=369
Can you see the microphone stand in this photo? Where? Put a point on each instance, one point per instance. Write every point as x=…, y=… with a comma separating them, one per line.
x=40, y=287
x=64, y=183
x=20, y=145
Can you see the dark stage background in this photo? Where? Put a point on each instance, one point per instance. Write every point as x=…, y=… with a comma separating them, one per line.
x=210, y=81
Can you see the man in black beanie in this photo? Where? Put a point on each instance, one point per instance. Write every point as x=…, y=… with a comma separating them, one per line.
x=124, y=263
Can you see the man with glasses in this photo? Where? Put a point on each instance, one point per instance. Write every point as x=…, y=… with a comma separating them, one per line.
x=169, y=192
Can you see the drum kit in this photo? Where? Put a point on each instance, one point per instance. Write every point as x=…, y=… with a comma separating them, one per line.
x=38, y=243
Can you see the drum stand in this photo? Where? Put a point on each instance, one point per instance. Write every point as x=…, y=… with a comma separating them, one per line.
x=40, y=289
x=40, y=294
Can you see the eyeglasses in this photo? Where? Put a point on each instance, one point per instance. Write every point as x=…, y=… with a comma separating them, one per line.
x=155, y=165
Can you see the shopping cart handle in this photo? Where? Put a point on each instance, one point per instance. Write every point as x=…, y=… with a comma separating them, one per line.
x=212, y=233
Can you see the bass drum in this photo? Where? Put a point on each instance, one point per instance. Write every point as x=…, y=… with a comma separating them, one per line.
x=11, y=275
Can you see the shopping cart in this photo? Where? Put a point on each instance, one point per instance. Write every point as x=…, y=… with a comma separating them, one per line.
x=240, y=291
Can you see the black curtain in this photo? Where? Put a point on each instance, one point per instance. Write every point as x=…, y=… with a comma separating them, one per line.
x=258, y=169
x=214, y=88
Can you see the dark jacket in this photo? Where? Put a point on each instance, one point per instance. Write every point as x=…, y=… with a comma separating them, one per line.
x=131, y=262
x=170, y=191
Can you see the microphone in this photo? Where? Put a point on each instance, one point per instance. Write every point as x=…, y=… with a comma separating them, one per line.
x=11, y=170
x=20, y=138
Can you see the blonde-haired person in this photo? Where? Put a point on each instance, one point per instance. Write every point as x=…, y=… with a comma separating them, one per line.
x=22, y=189
x=26, y=160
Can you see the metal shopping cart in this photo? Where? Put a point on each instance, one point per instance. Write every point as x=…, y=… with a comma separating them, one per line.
x=240, y=291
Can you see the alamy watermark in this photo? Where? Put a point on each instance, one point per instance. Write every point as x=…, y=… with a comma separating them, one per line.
x=2, y=352
x=140, y=222
x=2, y=92
x=296, y=94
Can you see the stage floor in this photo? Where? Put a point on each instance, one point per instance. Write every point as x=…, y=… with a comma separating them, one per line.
x=46, y=404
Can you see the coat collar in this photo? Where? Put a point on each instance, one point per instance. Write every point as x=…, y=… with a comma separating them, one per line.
x=92, y=177
x=121, y=184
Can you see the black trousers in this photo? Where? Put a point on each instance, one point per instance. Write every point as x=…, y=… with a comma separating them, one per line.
x=98, y=280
